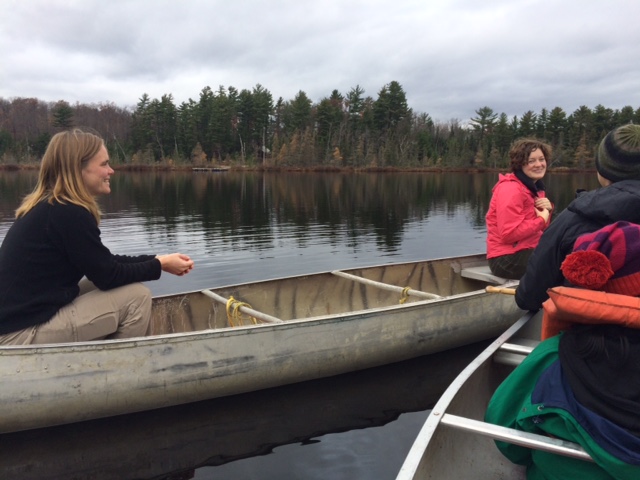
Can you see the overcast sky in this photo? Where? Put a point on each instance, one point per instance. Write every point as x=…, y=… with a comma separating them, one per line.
x=452, y=57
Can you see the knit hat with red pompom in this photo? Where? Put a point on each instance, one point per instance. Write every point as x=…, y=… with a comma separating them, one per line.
x=607, y=259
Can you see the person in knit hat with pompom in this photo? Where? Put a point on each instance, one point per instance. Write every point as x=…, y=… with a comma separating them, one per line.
x=601, y=361
x=617, y=160
x=583, y=383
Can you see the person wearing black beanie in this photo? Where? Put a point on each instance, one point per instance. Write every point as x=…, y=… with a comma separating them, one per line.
x=618, y=169
x=618, y=156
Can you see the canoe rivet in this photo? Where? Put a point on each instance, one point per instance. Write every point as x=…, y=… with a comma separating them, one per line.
x=436, y=413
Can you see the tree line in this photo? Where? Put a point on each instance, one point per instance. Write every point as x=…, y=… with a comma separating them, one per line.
x=246, y=127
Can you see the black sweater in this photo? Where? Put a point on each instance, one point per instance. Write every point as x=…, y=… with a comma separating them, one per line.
x=45, y=254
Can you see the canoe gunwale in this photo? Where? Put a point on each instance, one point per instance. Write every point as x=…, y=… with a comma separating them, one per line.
x=458, y=264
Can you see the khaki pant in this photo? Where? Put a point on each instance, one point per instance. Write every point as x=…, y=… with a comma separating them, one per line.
x=123, y=312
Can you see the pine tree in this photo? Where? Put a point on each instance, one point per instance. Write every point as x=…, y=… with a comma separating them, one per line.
x=62, y=114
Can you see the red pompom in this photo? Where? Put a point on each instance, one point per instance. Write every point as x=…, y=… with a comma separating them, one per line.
x=587, y=269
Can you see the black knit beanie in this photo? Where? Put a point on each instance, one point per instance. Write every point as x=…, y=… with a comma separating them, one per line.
x=618, y=156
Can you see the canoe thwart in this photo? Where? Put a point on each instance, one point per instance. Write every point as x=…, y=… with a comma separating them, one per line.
x=403, y=291
x=482, y=273
x=517, y=437
x=517, y=348
x=234, y=306
x=512, y=354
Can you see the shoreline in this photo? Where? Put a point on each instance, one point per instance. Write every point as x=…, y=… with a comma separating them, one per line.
x=316, y=169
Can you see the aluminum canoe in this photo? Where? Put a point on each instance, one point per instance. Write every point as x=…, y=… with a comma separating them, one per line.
x=242, y=338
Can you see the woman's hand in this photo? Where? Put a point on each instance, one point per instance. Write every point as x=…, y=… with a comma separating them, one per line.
x=176, y=263
x=543, y=203
x=544, y=213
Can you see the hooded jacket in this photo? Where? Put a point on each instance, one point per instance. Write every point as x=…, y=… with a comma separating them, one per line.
x=512, y=223
x=537, y=398
x=589, y=212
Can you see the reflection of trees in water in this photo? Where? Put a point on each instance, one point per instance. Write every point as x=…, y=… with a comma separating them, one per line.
x=234, y=204
x=376, y=205
x=13, y=188
x=561, y=188
x=351, y=204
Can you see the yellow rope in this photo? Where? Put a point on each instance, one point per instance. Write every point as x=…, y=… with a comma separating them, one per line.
x=234, y=313
x=405, y=294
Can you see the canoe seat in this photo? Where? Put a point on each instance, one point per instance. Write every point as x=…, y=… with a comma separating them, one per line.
x=483, y=274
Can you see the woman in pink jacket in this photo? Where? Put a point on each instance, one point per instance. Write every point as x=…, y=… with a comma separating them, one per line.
x=519, y=211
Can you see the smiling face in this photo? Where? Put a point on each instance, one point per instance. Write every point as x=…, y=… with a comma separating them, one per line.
x=536, y=165
x=96, y=173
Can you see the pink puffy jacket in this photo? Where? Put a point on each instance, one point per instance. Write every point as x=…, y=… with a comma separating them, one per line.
x=512, y=223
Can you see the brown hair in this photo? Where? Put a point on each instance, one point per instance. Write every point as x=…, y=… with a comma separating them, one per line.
x=522, y=148
x=60, y=176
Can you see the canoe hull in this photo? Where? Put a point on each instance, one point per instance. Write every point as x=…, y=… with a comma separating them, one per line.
x=56, y=384
x=170, y=442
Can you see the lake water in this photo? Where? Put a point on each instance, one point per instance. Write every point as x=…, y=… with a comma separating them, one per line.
x=241, y=227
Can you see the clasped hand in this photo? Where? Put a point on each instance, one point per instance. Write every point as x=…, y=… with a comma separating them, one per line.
x=543, y=203
x=543, y=208
x=176, y=263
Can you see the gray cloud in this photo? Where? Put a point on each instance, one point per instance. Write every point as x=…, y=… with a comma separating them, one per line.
x=451, y=57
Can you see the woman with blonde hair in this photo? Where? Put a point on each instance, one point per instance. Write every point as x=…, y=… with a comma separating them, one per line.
x=58, y=282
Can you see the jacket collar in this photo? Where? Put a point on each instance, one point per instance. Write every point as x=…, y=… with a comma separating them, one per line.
x=534, y=187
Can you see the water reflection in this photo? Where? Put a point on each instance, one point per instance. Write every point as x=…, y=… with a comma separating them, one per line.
x=260, y=205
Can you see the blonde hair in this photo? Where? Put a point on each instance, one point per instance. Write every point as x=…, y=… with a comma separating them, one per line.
x=60, y=178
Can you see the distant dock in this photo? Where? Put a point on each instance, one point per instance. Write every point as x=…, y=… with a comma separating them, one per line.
x=210, y=169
